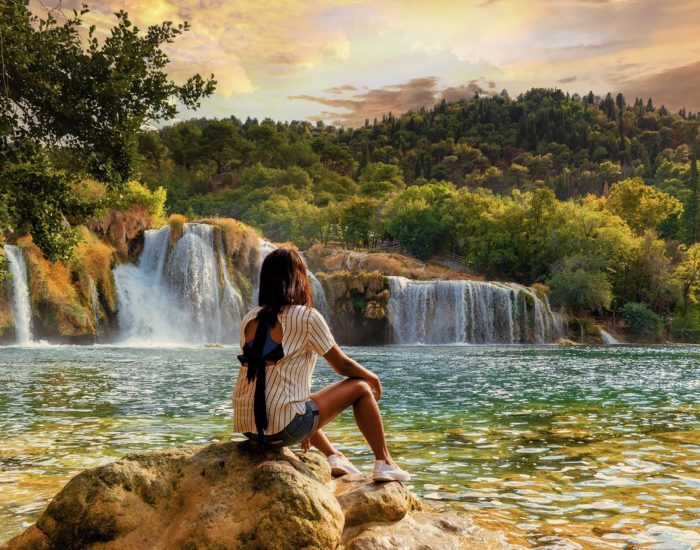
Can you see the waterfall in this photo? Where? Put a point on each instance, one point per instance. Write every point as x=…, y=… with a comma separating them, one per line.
x=319, y=295
x=608, y=338
x=19, y=294
x=180, y=293
x=449, y=312
x=320, y=302
x=95, y=304
x=265, y=248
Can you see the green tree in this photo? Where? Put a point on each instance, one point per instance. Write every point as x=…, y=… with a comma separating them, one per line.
x=85, y=101
x=643, y=207
x=377, y=179
x=414, y=217
x=641, y=320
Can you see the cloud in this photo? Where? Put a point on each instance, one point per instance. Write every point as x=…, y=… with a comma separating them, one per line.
x=341, y=89
x=566, y=80
x=395, y=98
x=675, y=87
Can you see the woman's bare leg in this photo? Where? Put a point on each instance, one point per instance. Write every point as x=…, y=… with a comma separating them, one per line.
x=321, y=442
x=355, y=392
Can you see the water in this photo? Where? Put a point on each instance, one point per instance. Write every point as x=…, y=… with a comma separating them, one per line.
x=593, y=447
x=453, y=312
x=19, y=295
x=179, y=293
x=608, y=338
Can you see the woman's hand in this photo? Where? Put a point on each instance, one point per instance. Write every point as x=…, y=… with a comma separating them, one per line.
x=374, y=383
x=305, y=445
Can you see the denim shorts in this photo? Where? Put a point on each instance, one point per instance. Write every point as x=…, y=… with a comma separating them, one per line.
x=298, y=430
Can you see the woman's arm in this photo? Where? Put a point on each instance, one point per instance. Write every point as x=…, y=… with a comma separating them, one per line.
x=345, y=366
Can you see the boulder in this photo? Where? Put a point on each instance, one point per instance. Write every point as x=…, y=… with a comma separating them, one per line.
x=237, y=495
x=228, y=495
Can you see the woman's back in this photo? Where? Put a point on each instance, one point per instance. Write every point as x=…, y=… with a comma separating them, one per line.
x=305, y=334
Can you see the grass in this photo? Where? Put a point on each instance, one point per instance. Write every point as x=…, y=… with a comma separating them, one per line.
x=177, y=227
x=56, y=302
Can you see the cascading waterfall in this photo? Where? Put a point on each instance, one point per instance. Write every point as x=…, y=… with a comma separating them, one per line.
x=265, y=248
x=19, y=294
x=95, y=304
x=451, y=312
x=320, y=302
x=180, y=293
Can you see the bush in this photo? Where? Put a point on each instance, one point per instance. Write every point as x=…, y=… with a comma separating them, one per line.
x=135, y=193
x=580, y=289
x=642, y=321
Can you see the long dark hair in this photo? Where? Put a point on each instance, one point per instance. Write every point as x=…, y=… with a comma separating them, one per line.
x=283, y=282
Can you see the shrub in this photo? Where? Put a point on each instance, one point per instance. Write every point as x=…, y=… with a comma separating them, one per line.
x=177, y=227
x=135, y=193
x=642, y=321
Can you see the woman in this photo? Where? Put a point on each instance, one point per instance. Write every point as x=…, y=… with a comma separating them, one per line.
x=281, y=339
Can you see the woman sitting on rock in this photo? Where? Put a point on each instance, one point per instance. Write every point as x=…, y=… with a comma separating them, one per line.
x=280, y=339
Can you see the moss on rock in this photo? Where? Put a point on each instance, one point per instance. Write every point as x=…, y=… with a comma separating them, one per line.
x=58, y=308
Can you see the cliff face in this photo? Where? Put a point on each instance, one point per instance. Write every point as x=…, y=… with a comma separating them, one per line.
x=234, y=495
x=357, y=304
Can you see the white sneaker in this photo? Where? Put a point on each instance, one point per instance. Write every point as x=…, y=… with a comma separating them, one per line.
x=341, y=466
x=383, y=471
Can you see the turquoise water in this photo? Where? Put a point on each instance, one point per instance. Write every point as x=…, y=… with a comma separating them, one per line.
x=592, y=447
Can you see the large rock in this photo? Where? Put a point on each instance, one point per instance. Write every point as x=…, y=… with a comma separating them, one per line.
x=233, y=495
x=423, y=531
x=364, y=502
x=220, y=496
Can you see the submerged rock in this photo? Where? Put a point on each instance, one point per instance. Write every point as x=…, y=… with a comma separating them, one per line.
x=234, y=495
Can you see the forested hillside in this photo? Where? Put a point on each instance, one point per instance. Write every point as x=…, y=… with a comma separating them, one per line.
x=592, y=196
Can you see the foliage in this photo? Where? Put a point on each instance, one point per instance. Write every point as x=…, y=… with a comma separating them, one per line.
x=642, y=321
x=73, y=106
x=55, y=301
x=687, y=272
x=643, y=207
x=576, y=286
x=177, y=227
x=414, y=216
x=134, y=193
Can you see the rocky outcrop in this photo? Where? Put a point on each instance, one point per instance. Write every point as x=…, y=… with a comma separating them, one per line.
x=234, y=495
x=357, y=304
x=322, y=259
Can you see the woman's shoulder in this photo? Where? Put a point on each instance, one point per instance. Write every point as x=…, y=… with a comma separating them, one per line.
x=301, y=312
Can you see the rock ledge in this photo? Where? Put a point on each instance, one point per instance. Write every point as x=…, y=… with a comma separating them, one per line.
x=234, y=495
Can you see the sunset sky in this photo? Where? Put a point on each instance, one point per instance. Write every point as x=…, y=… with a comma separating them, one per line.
x=343, y=60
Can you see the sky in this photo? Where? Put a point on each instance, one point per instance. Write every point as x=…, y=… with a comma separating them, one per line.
x=342, y=61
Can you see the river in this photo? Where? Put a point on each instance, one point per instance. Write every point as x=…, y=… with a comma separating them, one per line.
x=586, y=447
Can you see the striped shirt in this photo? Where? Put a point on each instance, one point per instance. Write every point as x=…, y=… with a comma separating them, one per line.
x=305, y=335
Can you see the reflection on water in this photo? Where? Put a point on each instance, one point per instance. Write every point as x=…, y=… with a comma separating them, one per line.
x=561, y=448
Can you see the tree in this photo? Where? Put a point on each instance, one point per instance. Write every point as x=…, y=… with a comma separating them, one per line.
x=640, y=205
x=692, y=204
x=576, y=285
x=414, y=217
x=85, y=102
x=641, y=320
x=688, y=274
x=377, y=179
